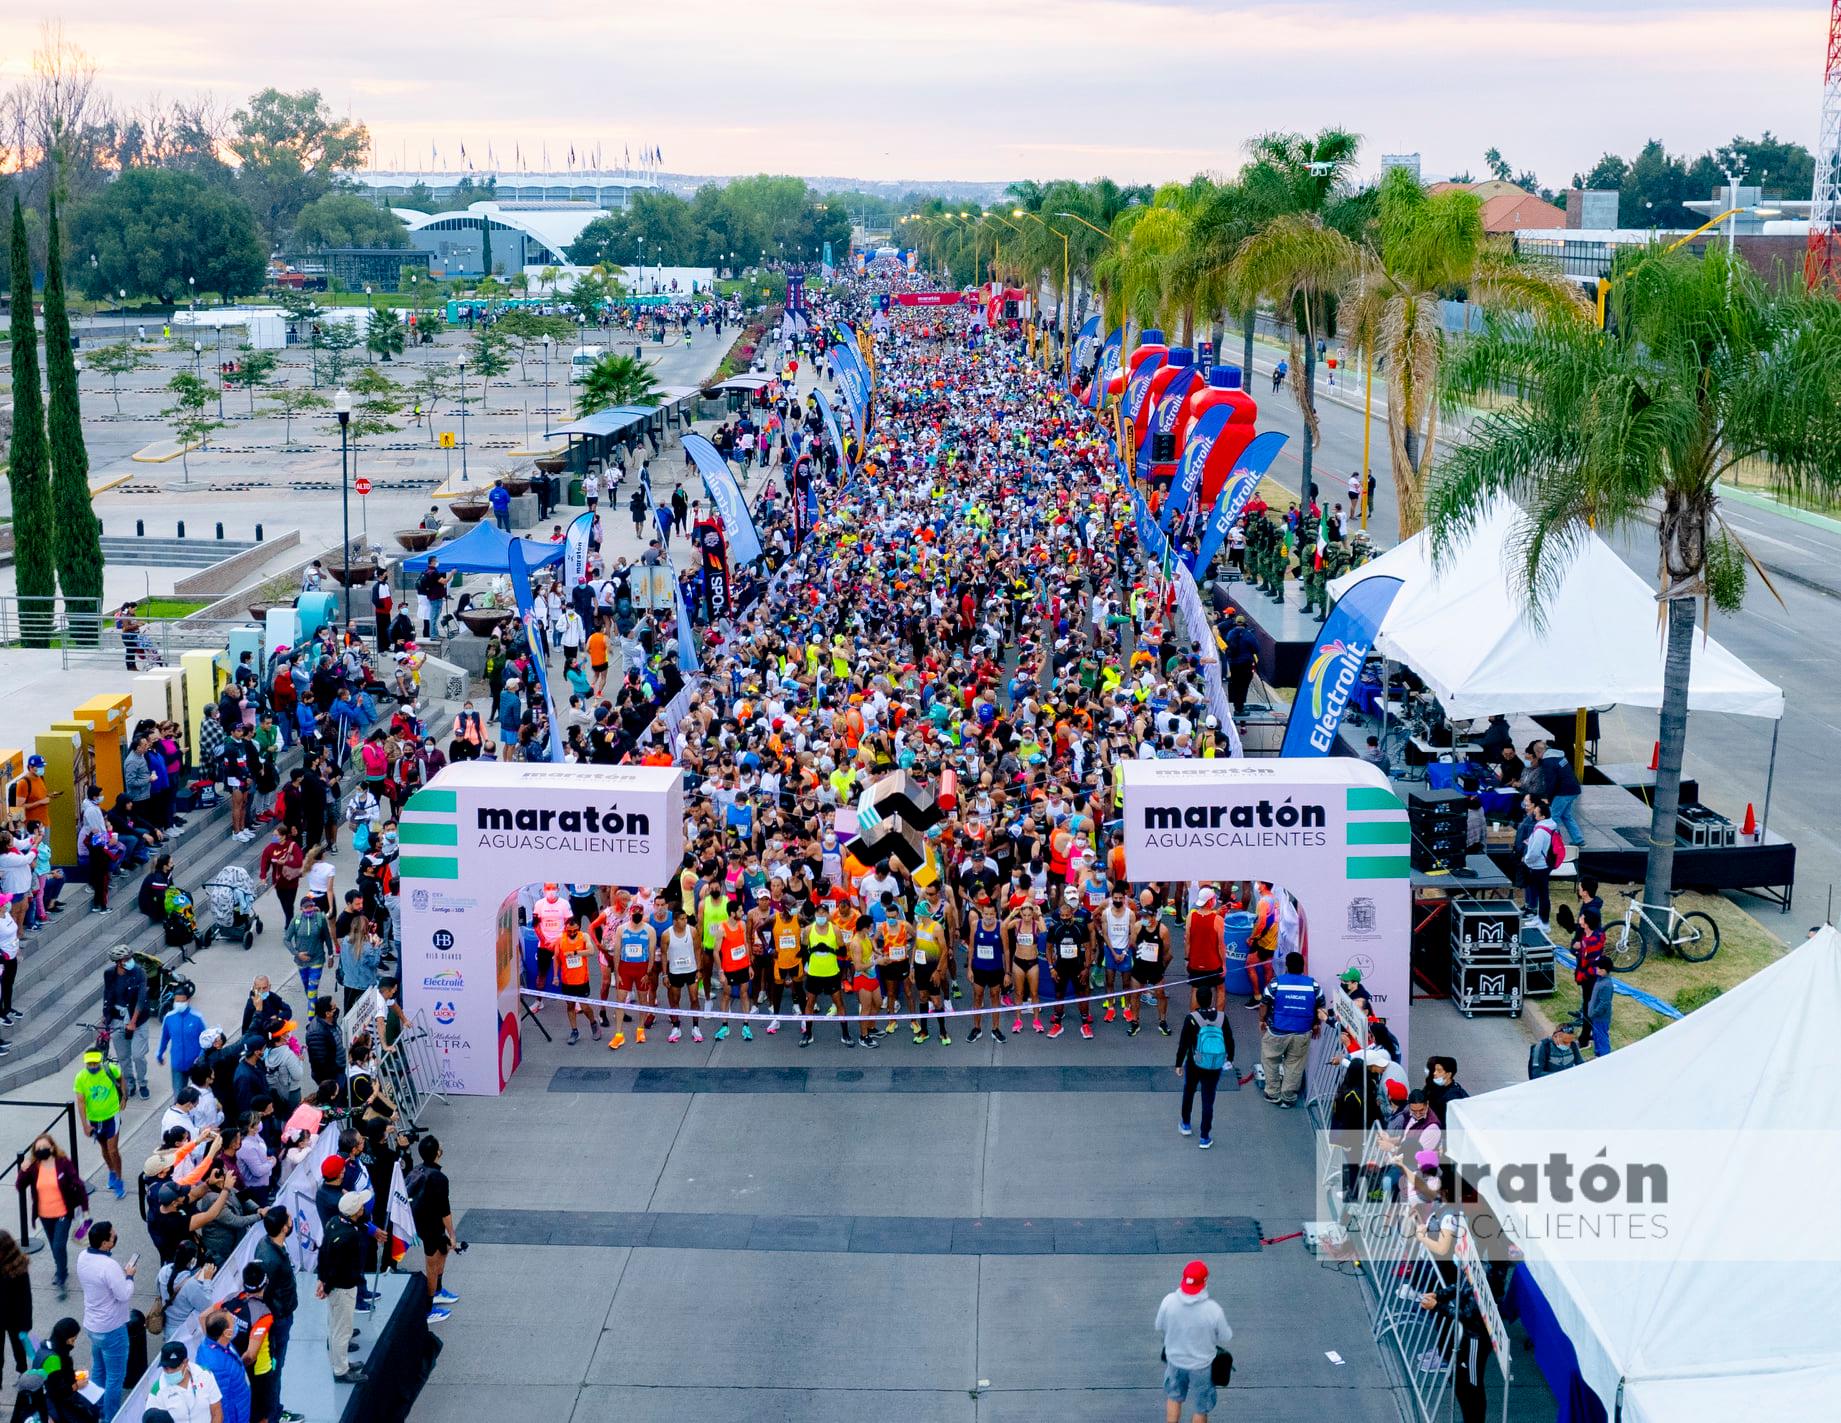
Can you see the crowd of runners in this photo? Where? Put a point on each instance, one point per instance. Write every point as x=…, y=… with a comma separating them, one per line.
x=968, y=608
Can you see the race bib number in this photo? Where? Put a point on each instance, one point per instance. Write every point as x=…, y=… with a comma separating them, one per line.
x=1147, y=953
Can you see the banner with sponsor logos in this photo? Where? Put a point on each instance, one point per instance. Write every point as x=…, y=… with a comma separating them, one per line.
x=1188, y=479
x=1335, y=666
x=1106, y=367
x=1236, y=494
x=929, y=298
x=713, y=551
x=1160, y=423
x=1137, y=390
x=1085, y=341
x=1330, y=829
x=744, y=542
x=576, y=539
x=471, y=839
x=519, y=562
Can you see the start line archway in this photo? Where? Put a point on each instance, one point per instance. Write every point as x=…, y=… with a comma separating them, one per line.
x=1330, y=830
x=471, y=839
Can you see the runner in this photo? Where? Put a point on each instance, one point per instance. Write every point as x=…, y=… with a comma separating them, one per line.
x=1150, y=958
x=681, y=971
x=1070, y=944
x=638, y=951
x=572, y=950
x=989, y=973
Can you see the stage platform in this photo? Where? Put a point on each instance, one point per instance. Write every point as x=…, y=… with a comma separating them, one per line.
x=1285, y=632
x=395, y=1348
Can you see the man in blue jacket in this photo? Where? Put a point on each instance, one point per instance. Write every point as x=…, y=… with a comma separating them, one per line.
x=219, y=1358
x=179, y=1032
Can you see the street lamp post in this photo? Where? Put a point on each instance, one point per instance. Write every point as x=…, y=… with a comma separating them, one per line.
x=191, y=286
x=198, y=357
x=546, y=385
x=123, y=294
x=460, y=363
x=342, y=407
x=220, y=369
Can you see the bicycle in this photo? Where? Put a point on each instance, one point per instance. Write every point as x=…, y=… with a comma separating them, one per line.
x=1693, y=937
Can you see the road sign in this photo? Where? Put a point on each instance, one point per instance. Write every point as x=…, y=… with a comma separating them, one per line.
x=362, y=485
x=447, y=440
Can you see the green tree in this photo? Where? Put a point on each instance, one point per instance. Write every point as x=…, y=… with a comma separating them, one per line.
x=151, y=229
x=433, y=385
x=488, y=359
x=1422, y=249
x=29, y=461
x=116, y=360
x=190, y=417
x=79, y=532
x=1633, y=428
x=254, y=367
x=524, y=331
x=616, y=380
x=378, y=403
x=341, y=219
x=384, y=333
x=1300, y=187
x=336, y=341
x=290, y=401
x=289, y=148
x=485, y=246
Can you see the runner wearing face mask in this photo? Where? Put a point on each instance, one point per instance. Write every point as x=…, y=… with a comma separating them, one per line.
x=681, y=968
x=636, y=949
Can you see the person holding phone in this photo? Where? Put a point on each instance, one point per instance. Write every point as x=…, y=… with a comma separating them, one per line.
x=108, y=1287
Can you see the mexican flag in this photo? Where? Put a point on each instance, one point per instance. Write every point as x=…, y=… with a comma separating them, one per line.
x=401, y=1218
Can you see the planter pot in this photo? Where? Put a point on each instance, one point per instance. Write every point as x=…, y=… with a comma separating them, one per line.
x=552, y=464
x=260, y=611
x=415, y=540
x=361, y=572
x=515, y=486
x=481, y=621
x=469, y=509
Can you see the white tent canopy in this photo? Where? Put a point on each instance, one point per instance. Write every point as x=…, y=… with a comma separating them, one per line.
x=1731, y=1313
x=1464, y=630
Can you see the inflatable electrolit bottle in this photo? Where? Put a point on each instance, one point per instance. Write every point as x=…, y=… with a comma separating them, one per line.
x=1223, y=388
x=1157, y=445
x=1140, y=366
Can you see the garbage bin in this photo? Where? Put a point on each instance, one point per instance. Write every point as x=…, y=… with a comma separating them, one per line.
x=1236, y=929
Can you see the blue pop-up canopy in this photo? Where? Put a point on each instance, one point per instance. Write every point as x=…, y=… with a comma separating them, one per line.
x=485, y=548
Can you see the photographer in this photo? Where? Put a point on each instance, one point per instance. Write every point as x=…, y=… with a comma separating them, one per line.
x=173, y=1218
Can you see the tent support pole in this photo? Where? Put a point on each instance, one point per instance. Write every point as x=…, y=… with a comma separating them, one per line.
x=1579, y=743
x=1770, y=778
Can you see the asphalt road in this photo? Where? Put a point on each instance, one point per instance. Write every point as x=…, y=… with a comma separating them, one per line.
x=1779, y=635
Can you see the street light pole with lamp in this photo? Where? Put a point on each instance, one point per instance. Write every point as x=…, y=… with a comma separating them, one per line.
x=546, y=385
x=1067, y=291
x=1605, y=283
x=342, y=407
x=123, y=294
x=460, y=363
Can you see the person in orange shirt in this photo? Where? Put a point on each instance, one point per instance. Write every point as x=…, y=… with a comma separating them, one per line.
x=597, y=660
x=735, y=958
x=572, y=969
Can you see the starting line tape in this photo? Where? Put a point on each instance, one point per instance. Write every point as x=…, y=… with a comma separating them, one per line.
x=663, y=1010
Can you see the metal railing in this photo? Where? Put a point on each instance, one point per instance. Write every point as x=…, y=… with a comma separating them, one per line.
x=410, y=1071
x=85, y=633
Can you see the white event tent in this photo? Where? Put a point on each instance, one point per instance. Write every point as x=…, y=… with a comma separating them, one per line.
x=1464, y=630
x=1732, y=1314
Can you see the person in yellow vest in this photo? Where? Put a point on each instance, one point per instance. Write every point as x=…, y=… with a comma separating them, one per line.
x=824, y=971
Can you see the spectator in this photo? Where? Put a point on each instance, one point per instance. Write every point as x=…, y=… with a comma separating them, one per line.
x=1544, y=853
x=341, y=1272
x=1556, y=1052
x=219, y=1357
x=281, y=1292
x=1203, y=1052
x=1195, y=1331
x=56, y=1193
x=15, y=1300
x=184, y=1392
x=179, y=1031
x=107, y=1289
x=325, y=1043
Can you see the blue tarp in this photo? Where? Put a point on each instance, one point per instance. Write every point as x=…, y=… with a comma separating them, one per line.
x=485, y=548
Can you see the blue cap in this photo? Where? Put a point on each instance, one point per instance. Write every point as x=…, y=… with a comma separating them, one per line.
x=1225, y=378
x=1150, y=336
x=1180, y=357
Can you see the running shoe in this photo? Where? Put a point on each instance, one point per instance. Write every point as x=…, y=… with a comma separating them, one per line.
x=1183, y=1127
x=1009, y=999
x=1253, y=1002
x=440, y=1316
x=773, y=1027
x=1111, y=1012
x=673, y=1036
x=747, y=1033
x=1132, y=1031
x=1086, y=1030
x=1037, y=1023
x=843, y=1036
x=594, y=1030
x=1206, y=1142
x=892, y=1026
x=805, y=1038
x=1163, y=1027
x=696, y=1035
x=1053, y=1032
x=575, y=1036
x=616, y=1042
x=945, y=1041
x=639, y=1034
x=445, y=1297
x=722, y=1032
x=870, y=1040
x=975, y=1034
x=1017, y=1026
x=920, y=1035
x=997, y=1033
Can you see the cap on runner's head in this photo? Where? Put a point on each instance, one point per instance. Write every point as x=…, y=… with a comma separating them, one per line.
x=1350, y=975
x=1204, y=899
x=1195, y=1277
x=92, y=1058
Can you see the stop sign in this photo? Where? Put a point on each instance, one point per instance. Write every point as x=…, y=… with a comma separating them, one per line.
x=362, y=485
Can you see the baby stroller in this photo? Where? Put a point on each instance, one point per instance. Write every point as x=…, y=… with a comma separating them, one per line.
x=181, y=923
x=233, y=904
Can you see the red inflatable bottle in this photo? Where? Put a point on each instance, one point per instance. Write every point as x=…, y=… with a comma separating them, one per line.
x=1157, y=447
x=1150, y=354
x=1223, y=388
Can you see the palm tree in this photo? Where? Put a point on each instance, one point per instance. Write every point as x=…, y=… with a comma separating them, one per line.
x=616, y=380
x=1703, y=369
x=1293, y=175
x=1424, y=248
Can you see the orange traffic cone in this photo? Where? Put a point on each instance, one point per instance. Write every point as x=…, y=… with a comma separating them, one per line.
x=1655, y=756
x=1750, y=828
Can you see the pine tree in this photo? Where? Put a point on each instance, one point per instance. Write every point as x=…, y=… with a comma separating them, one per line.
x=79, y=532
x=485, y=244
x=28, y=472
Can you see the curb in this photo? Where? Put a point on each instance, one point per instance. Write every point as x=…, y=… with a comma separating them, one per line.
x=1766, y=504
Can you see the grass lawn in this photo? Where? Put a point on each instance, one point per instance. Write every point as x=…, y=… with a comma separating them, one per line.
x=169, y=607
x=1745, y=947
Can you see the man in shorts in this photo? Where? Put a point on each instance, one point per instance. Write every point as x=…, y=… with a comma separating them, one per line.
x=635, y=949
x=930, y=980
x=1150, y=957
x=679, y=952
x=825, y=951
x=98, y=1089
x=894, y=947
x=572, y=970
x=736, y=960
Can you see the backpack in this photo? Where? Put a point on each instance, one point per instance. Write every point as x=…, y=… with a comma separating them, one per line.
x=1556, y=850
x=1210, y=1052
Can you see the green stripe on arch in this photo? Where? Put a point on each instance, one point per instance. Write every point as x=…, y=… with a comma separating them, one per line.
x=432, y=800
x=1379, y=867
x=429, y=867
x=1374, y=832
x=1359, y=798
x=436, y=832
